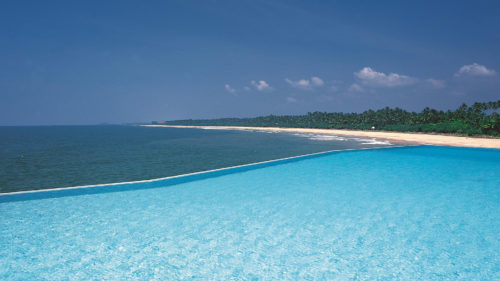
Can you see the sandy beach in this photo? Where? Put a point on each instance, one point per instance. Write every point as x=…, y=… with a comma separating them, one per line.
x=416, y=138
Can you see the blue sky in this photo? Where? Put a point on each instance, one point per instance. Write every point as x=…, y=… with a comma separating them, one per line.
x=88, y=62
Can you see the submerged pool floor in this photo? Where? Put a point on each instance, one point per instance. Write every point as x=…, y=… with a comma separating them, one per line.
x=410, y=213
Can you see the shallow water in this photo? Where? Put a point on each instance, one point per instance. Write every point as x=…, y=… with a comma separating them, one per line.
x=414, y=213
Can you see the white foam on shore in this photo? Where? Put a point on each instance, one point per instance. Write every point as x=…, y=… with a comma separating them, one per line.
x=372, y=141
x=320, y=137
x=262, y=131
x=325, y=137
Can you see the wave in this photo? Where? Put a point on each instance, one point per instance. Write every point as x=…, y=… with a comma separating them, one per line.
x=323, y=137
x=372, y=141
x=328, y=137
x=320, y=137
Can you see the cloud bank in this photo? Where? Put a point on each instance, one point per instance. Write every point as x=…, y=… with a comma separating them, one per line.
x=261, y=86
x=306, y=84
x=368, y=76
x=475, y=70
x=229, y=89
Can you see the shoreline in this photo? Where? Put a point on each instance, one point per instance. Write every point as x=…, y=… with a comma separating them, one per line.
x=413, y=138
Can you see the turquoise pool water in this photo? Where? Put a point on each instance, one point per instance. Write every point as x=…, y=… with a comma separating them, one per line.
x=412, y=213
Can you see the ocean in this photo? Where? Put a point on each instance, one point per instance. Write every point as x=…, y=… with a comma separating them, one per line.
x=61, y=156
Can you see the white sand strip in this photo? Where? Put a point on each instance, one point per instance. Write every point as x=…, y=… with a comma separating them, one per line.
x=419, y=138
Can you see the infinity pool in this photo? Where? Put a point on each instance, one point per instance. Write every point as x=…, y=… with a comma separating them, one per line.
x=413, y=213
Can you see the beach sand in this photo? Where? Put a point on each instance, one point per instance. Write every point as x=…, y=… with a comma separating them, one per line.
x=416, y=138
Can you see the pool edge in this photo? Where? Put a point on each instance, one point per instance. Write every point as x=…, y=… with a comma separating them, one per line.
x=4, y=197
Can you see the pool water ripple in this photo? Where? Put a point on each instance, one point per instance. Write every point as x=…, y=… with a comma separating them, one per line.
x=399, y=213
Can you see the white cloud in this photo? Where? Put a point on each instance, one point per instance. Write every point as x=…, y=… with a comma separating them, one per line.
x=229, y=89
x=316, y=81
x=291, y=100
x=246, y=88
x=371, y=77
x=438, y=84
x=261, y=85
x=300, y=84
x=356, y=88
x=306, y=84
x=475, y=70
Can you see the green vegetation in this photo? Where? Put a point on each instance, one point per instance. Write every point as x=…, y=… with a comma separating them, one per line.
x=478, y=119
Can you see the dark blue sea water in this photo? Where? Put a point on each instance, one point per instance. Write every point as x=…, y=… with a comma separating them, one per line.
x=61, y=156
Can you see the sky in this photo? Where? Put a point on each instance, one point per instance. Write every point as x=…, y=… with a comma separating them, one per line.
x=92, y=62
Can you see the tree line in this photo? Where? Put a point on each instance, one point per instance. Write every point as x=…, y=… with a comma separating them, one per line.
x=481, y=118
